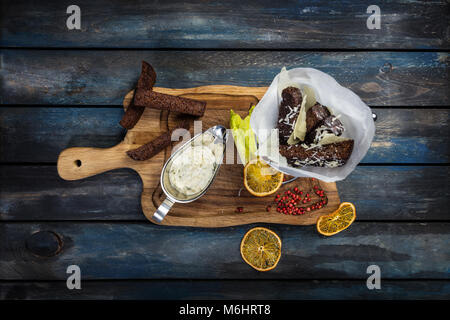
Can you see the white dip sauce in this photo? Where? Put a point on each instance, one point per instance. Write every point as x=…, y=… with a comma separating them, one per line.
x=192, y=170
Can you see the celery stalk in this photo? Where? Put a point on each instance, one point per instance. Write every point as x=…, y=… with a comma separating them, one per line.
x=243, y=135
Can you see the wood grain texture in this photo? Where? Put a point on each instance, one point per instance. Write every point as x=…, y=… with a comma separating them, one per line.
x=136, y=256
x=38, y=134
x=379, y=193
x=97, y=77
x=227, y=24
x=227, y=290
x=146, y=251
x=217, y=207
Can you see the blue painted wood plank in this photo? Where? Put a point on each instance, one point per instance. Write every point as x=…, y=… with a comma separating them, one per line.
x=39, y=134
x=378, y=192
x=147, y=251
x=226, y=24
x=228, y=290
x=96, y=77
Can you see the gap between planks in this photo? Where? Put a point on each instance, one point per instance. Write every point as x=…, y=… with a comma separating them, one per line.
x=444, y=50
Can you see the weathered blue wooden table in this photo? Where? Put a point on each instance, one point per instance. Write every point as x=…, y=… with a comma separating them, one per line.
x=61, y=88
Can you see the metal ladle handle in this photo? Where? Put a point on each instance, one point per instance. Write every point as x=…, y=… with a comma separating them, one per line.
x=162, y=210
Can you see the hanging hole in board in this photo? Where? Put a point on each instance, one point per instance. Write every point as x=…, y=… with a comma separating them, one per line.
x=78, y=163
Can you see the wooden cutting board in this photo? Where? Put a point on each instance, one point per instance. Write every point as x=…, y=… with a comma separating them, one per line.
x=217, y=207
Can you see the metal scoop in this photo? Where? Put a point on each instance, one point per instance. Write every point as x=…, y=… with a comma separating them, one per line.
x=172, y=195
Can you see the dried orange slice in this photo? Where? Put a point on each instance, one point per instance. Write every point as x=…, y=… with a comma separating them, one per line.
x=260, y=179
x=261, y=249
x=337, y=221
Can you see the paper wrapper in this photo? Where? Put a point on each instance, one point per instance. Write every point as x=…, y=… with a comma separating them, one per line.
x=354, y=114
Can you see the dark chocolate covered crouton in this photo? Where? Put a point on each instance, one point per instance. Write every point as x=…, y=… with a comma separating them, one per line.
x=331, y=155
x=330, y=124
x=291, y=96
x=163, y=101
x=288, y=113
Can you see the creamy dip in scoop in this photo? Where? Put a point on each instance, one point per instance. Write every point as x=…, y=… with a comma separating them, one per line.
x=192, y=170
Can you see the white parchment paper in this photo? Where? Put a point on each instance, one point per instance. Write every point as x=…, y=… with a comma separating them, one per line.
x=354, y=114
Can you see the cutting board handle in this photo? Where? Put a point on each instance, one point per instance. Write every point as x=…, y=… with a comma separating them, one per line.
x=78, y=163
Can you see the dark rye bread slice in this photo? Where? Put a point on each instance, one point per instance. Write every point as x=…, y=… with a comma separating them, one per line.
x=288, y=112
x=333, y=125
x=146, y=81
x=153, y=147
x=145, y=98
x=291, y=96
x=148, y=77
x=334, y=154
